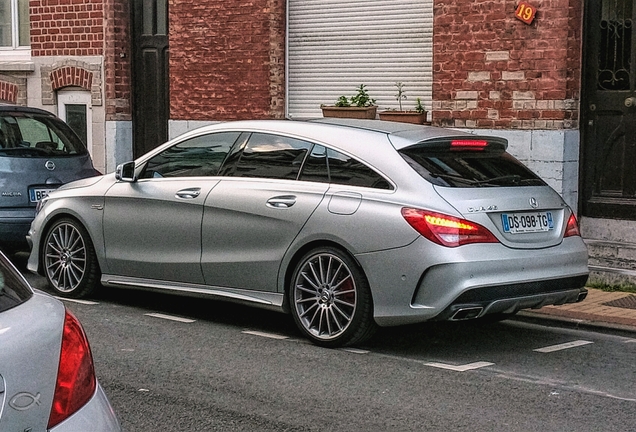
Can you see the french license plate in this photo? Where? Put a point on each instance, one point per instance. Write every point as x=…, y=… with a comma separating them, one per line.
x=515, y=223
x=36, y=194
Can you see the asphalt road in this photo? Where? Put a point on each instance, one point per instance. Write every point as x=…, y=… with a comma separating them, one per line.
x=211, y=366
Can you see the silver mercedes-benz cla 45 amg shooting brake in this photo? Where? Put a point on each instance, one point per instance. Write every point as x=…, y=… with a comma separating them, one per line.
x=345, y=224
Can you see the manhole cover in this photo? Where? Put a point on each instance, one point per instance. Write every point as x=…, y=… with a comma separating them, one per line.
x=628, y=302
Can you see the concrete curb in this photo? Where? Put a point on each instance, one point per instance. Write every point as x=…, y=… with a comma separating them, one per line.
x=575, y=323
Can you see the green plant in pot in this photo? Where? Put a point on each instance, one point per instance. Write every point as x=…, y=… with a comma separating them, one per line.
x=360, y=105
x=416, y=116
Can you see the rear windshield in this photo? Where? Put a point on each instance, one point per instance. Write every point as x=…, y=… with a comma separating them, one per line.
x=469, y=168
x=13, y=289
x=33, y=135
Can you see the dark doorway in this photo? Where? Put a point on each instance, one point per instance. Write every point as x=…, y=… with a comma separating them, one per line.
x=609, y=110
x=150, y=86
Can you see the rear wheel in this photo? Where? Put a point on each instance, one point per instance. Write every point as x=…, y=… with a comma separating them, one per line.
x=70, y=265
x=330, y=299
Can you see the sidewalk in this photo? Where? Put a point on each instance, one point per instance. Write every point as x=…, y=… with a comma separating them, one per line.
x=610, y=310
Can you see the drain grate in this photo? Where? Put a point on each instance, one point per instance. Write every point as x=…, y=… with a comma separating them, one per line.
x=628, y=302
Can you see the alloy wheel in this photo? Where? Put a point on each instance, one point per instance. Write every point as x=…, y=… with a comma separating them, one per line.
x=65, y=257
x=325, y=296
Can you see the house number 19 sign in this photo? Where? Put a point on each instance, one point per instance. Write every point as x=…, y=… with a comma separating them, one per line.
x=525, y=12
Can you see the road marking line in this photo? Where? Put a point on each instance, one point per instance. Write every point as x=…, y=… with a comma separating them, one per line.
x=563, y=346
x=84, y=302
x=267, y=335
x=170, y=317
x=460, y=368
x=630, y=341
x=356, y=350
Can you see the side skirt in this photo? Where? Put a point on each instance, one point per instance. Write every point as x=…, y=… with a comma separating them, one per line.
x=261, y=299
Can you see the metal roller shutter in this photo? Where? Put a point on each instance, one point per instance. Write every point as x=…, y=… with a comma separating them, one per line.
x=336, y=45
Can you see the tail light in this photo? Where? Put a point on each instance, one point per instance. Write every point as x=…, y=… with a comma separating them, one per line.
x=572, y=228
x=76, y=381
x=447, y=230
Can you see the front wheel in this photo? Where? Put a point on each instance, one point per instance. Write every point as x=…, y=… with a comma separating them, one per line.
x=330, y=299
x=70, y=265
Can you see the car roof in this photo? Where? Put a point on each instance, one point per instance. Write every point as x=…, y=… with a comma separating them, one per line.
x=400, y=135
x=23, y=109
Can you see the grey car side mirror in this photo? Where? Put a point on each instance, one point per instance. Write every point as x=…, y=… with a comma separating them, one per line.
x=126, y=172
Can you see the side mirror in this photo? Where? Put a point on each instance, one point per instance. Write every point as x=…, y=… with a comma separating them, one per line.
x=126, y=172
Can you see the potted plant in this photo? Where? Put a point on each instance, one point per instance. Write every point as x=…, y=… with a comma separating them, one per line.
x=360, y=105
x=416, y=116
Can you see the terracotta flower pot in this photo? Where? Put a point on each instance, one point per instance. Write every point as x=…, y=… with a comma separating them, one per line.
x=404, y=116
x=349, y=112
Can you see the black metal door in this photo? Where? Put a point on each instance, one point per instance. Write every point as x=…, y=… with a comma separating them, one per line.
x=609, y=110
x=150, y=86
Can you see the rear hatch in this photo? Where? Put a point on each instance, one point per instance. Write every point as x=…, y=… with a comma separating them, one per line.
x=486, y=185
x=38, y=153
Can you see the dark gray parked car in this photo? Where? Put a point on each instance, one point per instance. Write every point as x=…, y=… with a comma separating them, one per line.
x=38, y=153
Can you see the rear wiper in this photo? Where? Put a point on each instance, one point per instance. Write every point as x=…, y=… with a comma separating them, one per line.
x=454, y=177
x=513, y=177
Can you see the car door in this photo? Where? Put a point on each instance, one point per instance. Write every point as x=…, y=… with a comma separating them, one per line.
x=152, y=227
x=255, y=212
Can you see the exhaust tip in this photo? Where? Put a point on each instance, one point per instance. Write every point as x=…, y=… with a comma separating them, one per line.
x=466, y=313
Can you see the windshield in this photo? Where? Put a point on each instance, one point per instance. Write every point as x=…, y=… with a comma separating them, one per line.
x=13, y=289
x=36, y=135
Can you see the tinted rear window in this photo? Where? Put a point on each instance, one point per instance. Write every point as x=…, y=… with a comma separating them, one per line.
x=13, y=289
x=33, y=135
x=469, y=168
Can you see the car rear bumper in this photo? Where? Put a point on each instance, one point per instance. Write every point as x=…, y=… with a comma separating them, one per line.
x=14, y=226
x=423, y=282
x=96, y=416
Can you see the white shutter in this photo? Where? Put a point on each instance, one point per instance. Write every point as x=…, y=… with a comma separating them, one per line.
x=336, y=45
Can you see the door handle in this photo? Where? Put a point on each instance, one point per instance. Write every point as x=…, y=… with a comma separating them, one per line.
x=630, y=102
x=188, y=193
x=281, y=201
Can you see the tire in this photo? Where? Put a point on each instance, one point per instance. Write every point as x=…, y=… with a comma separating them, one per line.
x=70, y=264
x=330, y=299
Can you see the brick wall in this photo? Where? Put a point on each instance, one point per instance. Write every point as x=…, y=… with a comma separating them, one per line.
x=226, y=59
x=494, y=71
x=67, y=27
x=8, y=92
x=117, y=59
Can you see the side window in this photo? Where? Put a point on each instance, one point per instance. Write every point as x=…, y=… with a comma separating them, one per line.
x=198, y=156
x=271, y=156
x=346, y=170
x=315, y=168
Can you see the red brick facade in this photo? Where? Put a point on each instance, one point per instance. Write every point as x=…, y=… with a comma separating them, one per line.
x=81, y=28
x=67, y=27
x=8, y=92
x=226, y=59
x=71, y=76
x=491, y=70
x=117, y=59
